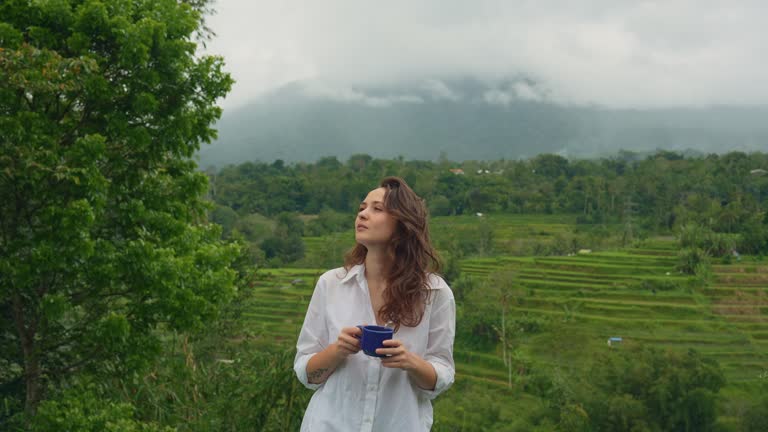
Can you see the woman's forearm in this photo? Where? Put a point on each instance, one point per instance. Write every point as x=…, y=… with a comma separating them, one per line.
x=321, y=365
x=424, y=374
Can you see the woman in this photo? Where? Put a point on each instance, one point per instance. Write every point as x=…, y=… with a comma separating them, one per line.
x=387, y=279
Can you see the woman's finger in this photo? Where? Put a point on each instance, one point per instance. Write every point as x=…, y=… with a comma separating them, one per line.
x=391, y=363
x=388, y=351
x=351, y=331
x=348, y=347
x=350, y=341
x=392, y=343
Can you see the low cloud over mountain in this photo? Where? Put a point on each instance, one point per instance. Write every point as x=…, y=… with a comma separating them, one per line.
x=464, y=118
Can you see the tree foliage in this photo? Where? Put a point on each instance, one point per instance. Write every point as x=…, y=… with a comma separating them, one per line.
x=102, y=211
x=661, y=192
x=646, y=389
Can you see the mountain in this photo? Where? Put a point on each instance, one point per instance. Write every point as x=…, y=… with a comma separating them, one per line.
x=464, y=120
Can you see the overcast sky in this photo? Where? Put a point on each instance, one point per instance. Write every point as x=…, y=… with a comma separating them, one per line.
x=612, y=52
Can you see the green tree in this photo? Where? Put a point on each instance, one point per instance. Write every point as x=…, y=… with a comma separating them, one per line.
x=102, y=211
x=550, y=165
x=358, y=162
x=282, y=249
x=329, y=221
x=439, y=206
x=290, y=224
x=224, y=216
x=754, y=234
x=648, y=389
x=254, y=227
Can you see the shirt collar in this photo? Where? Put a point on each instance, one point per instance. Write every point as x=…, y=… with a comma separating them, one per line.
x=357, y=271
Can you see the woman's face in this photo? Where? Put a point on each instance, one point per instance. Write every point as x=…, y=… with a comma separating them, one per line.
x=374, y=226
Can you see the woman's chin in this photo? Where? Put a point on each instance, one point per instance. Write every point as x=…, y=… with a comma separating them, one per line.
x=365, y=241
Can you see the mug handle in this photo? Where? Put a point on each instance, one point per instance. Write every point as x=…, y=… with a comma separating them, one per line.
x=361, y=332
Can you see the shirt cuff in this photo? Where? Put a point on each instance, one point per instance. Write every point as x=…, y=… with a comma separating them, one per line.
x=445, y=376
x=300, y=367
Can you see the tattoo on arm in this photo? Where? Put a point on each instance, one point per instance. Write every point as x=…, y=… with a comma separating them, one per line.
x=317, y=375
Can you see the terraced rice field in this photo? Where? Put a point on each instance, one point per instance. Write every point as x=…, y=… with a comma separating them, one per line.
x=602, y=295
x=507, y=229
x=633, y=293
x=279, y=303
x=336, y=244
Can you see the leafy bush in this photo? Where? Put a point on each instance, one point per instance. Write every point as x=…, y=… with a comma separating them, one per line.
x=221, y=379
x=649, y=389
x=694, y=236
x=84, y=408
x=529, y=324
x=689, y=260
x=474, y=329
x=753, y=238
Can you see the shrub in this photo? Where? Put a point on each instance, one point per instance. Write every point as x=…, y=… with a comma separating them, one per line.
x=690, y=259
x=81, y=408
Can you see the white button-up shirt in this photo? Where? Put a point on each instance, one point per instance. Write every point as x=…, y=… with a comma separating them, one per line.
x=361, y=395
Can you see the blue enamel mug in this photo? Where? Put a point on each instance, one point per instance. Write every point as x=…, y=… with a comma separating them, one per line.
x=373, y=337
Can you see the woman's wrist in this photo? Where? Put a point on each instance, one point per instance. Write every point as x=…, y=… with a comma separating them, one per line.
x=338, y=354
x=324, y=363
x=423, y=373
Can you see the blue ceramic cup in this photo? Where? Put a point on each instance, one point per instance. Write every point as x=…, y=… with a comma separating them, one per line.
x=373, y=337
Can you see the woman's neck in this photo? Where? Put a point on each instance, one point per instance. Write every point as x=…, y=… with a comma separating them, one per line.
x=375, y=267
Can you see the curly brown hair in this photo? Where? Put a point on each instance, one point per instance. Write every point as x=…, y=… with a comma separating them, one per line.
x=411, y=254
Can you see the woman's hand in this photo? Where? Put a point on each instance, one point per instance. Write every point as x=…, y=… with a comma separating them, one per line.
x=399, y=357
x=422, y=372
x=348, y=342
x=321, y=365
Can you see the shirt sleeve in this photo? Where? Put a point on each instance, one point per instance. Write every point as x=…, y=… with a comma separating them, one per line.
x=442, y=330
x=314, y=335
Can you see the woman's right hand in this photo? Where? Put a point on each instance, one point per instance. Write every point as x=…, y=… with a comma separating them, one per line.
x=348, y=342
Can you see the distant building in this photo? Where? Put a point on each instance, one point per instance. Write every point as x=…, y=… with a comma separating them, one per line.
x=614, y=341
x=758, y=172
x=457, y=171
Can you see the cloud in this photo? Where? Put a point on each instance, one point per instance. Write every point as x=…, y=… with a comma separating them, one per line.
x=438, y=90
x=608, y=52
x=351, y=95
x=522, y=90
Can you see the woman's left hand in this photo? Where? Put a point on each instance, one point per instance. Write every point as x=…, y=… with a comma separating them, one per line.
x=399, y=357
